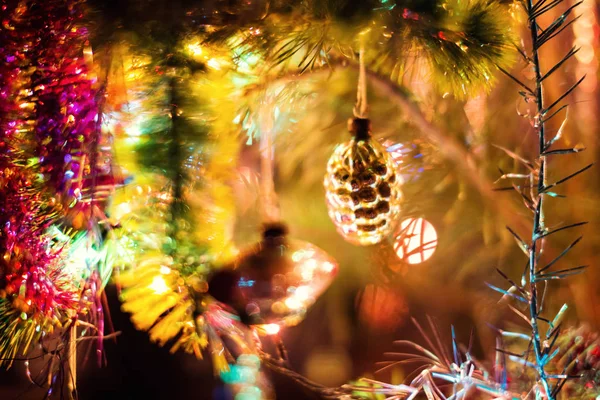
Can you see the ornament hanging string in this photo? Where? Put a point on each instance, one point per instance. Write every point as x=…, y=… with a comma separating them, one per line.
x=361, y=107
x=271, y=212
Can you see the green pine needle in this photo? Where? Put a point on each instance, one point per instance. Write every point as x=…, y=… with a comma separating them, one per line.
x=463, y=42
x=465, y=57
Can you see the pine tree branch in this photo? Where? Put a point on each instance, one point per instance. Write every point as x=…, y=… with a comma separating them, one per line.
x=280, y=367
x=538, y=38
x=464, y=42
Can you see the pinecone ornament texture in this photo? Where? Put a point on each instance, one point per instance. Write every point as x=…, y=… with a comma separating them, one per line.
x=362, y=188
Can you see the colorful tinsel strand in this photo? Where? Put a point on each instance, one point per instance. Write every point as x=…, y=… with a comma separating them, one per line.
x=50, y=275
x=55, y=89
x=35, y=290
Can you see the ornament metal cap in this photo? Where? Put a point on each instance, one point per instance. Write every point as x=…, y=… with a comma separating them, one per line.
x=360, y=128
x=272, y=230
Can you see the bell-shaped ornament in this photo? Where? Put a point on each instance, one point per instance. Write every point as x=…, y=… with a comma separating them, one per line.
x=276, y=280
x=362, y=186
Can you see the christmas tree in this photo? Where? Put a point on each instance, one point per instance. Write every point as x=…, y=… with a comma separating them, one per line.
x=314, y=199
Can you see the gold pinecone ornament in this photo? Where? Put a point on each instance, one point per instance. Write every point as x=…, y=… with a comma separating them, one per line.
x=362, y=188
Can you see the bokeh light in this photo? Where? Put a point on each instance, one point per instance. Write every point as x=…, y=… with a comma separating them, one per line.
x=269, y=329
x=416, y=241
x=158, y=285
x=381, y=308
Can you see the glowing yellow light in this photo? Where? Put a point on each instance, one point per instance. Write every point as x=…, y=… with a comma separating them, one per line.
x=214, y=64
x=271, y=329
x=158, y=285
x=416, y=241
x=297, y=256
x=195, y=49
x=302, y=293
x=164, y=196
x=328, y=267
x=81, y=256
x=293, y=303
x=586, y=53
x=311, y=263
x=133, y=130
x=121, y=210
x=88, y=51
x=307, y=274
x=165, y=270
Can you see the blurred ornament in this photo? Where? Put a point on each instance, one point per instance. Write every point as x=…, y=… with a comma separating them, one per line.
x=362, y=188
x=275, y=281
x=416, y=242
x=381, y=308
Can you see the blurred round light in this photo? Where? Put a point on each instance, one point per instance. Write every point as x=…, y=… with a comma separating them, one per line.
x=381, y=308
x=416, y=241
x=271, y=329
x=158, y=285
